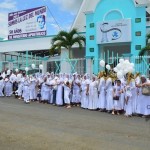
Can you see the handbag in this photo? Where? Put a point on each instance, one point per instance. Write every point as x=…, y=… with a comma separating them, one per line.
x=116, y=98
x=146, y=90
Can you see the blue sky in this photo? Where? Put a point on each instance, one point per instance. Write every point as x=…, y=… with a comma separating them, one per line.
x=64, y=12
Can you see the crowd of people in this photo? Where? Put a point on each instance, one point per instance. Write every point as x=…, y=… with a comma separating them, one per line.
x=104, y=92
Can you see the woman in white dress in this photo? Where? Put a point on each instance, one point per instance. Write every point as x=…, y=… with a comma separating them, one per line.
x=143, y=101
x=76, y=97
x=32, y=88
x=54, y=87
x=129, y=95
x=67, y=90
x=26, y=90
x=59, y=96
x=102, y=92
x=137, y=82
x=93, y=94
x=20, y=82
x=84, y=89
x=45, y=94
x=109, y=94
x=8, y=87
x=122, y=96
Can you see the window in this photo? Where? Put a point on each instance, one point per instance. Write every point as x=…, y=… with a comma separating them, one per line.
x=138, y=33
x=92, y=37
x=137, y=20
x=91, y=49
x=91, y=25
x=138, y=47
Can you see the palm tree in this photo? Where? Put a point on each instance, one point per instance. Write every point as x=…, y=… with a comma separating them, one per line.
x=66, y=40
x=146, y=48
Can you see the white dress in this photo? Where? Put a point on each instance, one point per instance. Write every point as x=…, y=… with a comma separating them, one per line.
x=8, y=88
x=134, y=96
x=76, y=97
x=13, y=78
x=1, y=87
x=20, y=81
x=32, y=90
x=122, y=96
x=117, y=103
x=143, y=103
x=26, y=90
x=84, y=96
x=128, y=106
x=51, y=91
x=93, y=95
x=102, y=96
x=59, y=96
x=109, y=94
x=45, y=94
x=67, y=91
x=135, y=103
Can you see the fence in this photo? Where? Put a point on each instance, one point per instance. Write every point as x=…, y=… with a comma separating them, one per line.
x=82, y=65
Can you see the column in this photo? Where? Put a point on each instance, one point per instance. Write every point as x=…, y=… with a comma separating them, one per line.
x=89, y=66
x=44, y=70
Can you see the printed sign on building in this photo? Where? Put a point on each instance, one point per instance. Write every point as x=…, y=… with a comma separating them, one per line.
x=115, y=31
x=27, y=23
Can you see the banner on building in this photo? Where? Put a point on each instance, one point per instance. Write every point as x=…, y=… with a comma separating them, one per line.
x=27, y=23
x=115, y=31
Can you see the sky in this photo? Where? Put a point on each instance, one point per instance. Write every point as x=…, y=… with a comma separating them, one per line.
x=64, y=11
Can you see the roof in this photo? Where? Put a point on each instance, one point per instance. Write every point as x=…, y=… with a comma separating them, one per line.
x=89, y=6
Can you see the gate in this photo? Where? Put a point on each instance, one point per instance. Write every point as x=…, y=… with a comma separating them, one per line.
x=67, y=66
x=142, y=63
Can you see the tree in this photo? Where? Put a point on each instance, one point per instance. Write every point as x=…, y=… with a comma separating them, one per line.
x=66, y=40
x=146, y=48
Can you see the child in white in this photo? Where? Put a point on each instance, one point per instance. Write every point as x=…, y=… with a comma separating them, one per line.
x=116, y=97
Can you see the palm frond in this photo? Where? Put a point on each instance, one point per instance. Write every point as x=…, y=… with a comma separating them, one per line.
x=80, y=40
x=73, y=32
x=147, y=38
x=144, y=50
x=67, y=40
x=57, y=38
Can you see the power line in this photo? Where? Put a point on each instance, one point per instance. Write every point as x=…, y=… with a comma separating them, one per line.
x=54, y=18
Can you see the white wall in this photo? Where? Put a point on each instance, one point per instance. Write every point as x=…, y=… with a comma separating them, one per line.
x=26, y=44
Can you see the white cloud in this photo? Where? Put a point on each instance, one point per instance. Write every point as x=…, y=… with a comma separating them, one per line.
x=56, y=27
x=3, y=25
x=5, y=6
x=8, y=4
x=69, y=5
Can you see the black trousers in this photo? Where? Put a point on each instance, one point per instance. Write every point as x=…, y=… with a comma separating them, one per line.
x=54, y=96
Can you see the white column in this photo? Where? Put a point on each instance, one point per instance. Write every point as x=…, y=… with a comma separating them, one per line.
x=65, y=64
x=44, y=70
x=10, y=65
x=89, y=66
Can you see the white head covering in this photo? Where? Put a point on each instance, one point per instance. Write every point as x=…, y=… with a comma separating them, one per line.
x=6, y=79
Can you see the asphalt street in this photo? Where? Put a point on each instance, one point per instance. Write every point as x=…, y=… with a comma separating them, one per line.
x=44, y=127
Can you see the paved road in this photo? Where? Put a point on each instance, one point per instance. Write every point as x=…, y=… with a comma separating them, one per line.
x=44, y=127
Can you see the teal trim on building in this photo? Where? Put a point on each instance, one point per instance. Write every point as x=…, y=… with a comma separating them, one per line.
x=110, y=10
